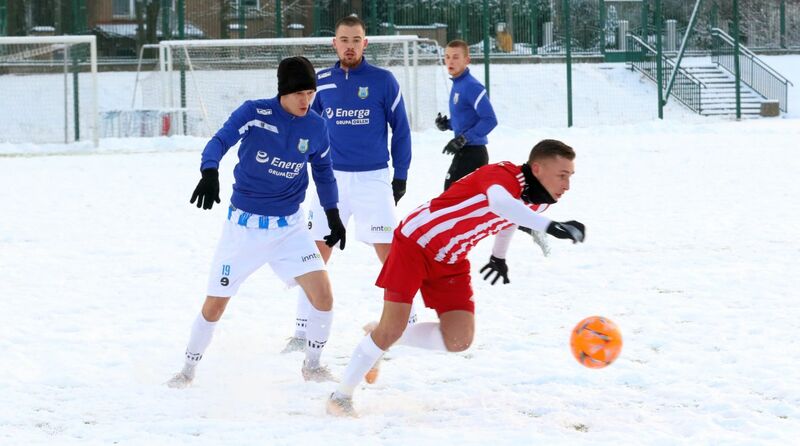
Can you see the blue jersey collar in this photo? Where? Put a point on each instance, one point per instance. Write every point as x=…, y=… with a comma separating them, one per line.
x=461, y=76
x=360, y=67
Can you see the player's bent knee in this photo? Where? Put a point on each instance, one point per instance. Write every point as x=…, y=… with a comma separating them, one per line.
x=385, y=337
x=459, y=344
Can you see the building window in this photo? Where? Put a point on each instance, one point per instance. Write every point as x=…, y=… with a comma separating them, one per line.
x=124, y=8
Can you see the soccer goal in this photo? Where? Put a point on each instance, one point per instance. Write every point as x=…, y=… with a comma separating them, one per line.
x=49, y=89
x=208, y=79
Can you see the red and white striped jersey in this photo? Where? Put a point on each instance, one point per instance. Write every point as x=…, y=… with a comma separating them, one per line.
x=449, y=225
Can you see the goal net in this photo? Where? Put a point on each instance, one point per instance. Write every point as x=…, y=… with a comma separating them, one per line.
x=207, y=79
x=49, y=89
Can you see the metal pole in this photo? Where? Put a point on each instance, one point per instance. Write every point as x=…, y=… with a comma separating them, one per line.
x=373, y=18
x=689, y=28
x=736, y=69
x=3, y=17
x=462, y=21
x=66, y=95
x=602, y=7
x=783, y=24
x=534, y=26
x=645, y=21
x=182, y=36
x=317, y=18
x=568, y=43
x=391, y=17
x=486, y=33
x=278, y=19
x=659, y=62
x=241, y=19
x=166, y=5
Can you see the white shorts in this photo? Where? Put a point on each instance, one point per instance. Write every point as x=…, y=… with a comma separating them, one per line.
x=249, y=241
x=367, y=197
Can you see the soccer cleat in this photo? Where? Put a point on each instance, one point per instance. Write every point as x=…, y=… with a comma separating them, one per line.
x=317, y=374
x=179, y=381
x=295, y=344
x=340, y=406
x=372, y=375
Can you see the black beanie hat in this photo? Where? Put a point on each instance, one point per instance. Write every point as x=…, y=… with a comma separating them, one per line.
x=296, y=74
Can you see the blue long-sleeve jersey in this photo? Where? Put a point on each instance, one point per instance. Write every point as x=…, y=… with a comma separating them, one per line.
x=358, y=104
x=271, y=176
x=471, y=113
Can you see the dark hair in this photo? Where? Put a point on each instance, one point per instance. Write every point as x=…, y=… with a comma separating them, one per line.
x=350, y=20
x=457, y=43
x=550, y=148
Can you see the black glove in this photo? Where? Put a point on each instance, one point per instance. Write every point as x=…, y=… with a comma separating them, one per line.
x=572, y=230
x=338, y=233
x=398, y=189
x=455, y=145
x=442, y=122
x=497, y=266
x=207, y=190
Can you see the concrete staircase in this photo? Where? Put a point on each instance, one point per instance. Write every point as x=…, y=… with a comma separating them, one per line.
x=719, y=96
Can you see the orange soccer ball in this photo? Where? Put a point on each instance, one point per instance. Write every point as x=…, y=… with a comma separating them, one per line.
x=596, y=342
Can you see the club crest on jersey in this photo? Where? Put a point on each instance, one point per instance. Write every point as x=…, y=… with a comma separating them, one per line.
x=262, y=157
x=363, y=92
x=302, y=145
x=455, y=98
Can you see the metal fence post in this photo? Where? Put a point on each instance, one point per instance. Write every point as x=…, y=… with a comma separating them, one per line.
x=534, y=5
x=783, y=24
x=372, y=23
x=182, y=35
x=390, y=17
x=317, y=18
x=659, y=55
x=166, y=5
x=568, y=43
x=3, y=17
x=278, y=19
x=486, y=33
x=645, y=20
x=602, y=7
x=736, y=69
x=241, y=19
x=462, y=21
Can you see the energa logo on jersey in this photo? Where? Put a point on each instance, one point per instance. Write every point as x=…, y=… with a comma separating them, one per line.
x=302, y=145
x=363, y=92
x=455, y=98
x=262, y=157
x=329, y=112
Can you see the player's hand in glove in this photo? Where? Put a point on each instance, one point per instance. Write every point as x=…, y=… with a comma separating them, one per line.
x=207, y=190
x=455, y=145
x=442, y=122
x=398, y=189
x=572, y=230
x=338, y=233
x=498, y=267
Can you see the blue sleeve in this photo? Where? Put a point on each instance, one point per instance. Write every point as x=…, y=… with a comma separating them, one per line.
x=401, y=133
x=317, y=104
x=322, y=172
x=226, y=137
x=486, y=117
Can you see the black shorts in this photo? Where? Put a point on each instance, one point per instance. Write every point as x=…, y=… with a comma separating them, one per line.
x=466, y=161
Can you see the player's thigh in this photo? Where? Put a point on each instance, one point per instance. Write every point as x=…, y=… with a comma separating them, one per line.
x=294, y=254
x=448, y=287
x=373, y=207
x=239, y=253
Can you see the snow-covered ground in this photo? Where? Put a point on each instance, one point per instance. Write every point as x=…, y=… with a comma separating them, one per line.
x=692, y=249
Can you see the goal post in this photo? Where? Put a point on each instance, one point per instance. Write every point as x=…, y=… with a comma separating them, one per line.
x=49, y=89
x=208, y=79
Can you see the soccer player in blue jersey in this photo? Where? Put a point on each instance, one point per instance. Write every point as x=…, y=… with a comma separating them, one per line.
x=360, y=103
x=471, y=116
x=279, y=137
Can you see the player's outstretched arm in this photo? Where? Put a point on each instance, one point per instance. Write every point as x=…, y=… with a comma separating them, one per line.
x=502, y=203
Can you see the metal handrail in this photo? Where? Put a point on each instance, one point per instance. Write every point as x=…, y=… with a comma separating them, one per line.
x=668, y=60
x=746, y=51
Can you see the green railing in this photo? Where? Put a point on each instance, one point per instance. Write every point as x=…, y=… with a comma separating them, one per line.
x=686, y=88
x=754, y=72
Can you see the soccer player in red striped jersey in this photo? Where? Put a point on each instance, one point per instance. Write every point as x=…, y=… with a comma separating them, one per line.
x=429, y=254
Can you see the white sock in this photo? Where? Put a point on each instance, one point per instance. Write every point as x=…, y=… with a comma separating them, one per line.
x=364, y=357
x=202, y=332
x=301, y=320
x=427, y=335
x=318, y=330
